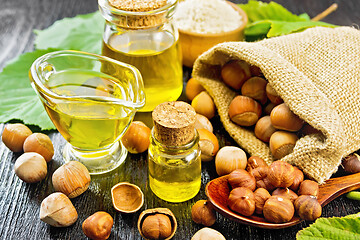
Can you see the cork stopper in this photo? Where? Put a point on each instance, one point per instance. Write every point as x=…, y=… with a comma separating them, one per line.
x=174, y=123
x=140, y=6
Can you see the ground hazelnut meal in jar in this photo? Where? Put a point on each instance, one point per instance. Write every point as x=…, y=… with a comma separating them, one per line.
x=206, y=16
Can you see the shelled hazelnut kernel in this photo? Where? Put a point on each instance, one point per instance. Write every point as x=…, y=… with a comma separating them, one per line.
x=264, y=129
x=255, y=162
x=228, y=159
x=235, y=73
x=193, y=88
x=203, y=213
x=40, y=143
x=14, y=136
x=285, y=192
x=299, y=177
x=98, y=226
x=309, y=187
x=308, y=207
x=260, y=175
x=278, y=209
x=281, y=174
x=272, y=95
x=242, y=200
x=261, y=196
x=254, y=88
x=244, y=111
x=208, y=143
x=137, y=137
x=242, y=178
x=204, y=105
x=283, y=118
x=282, y=143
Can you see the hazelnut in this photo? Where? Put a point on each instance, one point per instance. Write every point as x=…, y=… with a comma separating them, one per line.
x=158, y=223
x=207, y=234
x=228, y=159
x=137, y=137
x=203, y=122
x=308, y=129
x=31, y=167
x=281, y=174
x=241, y=178
x=208, y=143
x=235, y=73
x=193, y=88
x=285, y=192
x=283, y=118
x=72, y=179
x=282, y=143
x=278, y=209
x=261, y=195
x=272, y=95
x=255, y=71
x=14, y=136
x=255, y=88
x=204, y=105
x=264, y=129
x=242, y=200
x=308, y=207
x=244, y=111
x=260, y=175
x=98, y=226
x=40, y=143
x=127, y=197
x=203, y=213
x=57, y=210
x=351, y=163
x=268, y=108
x=309, y=187
x=255, y=162
x=299, y=177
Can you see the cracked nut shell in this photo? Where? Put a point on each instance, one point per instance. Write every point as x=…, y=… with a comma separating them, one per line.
x=127, y=197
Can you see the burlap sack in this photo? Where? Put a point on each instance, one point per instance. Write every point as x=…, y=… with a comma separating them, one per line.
x=317, y=74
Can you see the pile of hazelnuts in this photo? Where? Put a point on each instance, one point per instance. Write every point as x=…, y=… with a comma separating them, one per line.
x=260, y=106
x=290, y=193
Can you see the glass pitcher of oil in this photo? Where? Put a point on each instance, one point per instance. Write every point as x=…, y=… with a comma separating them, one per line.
x=141, y=33
x=91, y=100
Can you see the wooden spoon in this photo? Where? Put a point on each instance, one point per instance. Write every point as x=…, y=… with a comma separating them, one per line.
x=218, y=191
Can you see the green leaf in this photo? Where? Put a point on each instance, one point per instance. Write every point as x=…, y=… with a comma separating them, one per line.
x=83, y=33
x=272, y=19
x=332, y=228
x=18, y=98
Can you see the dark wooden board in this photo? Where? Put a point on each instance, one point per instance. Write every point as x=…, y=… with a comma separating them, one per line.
x=20, y=202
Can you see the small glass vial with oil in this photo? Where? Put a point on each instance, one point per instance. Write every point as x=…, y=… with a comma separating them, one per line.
x=174, y=163
x=141, y=33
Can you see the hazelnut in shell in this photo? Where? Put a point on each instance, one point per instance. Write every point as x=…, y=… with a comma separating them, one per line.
x=255, y=71
x=137, y=137
x=203, y=122
x=228, y=159
x=234, y=73
x=193, y=88
x=157, y=223
x=244, y=111
x=72, y=179
x=203, y=213
x=264, y=129
x=14, y=136
x=208, y=234
x=351, y=163
x=40, y=143
x=261, y=195
x=282, y=143
x=98, y=226
x=284, y=119
x=254, y=88
x=57, y=210
x=208, y=143
x=241, y=178
x=309, y=187
x=281, y=174
x=204, y=105
x=268, y=108
x=31, y=167
x=272, y=95
x=308, y=207
x=255, y=162
x=242, y=200
x=127, y=197
x=278, y=209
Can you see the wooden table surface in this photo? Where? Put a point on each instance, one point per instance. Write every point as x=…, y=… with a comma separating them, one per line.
x=20, y=202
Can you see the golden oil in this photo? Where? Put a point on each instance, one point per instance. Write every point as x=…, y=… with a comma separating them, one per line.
x=84, y=121
x=157, y=55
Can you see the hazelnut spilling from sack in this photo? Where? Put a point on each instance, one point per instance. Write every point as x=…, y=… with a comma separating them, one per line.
x=317, y=74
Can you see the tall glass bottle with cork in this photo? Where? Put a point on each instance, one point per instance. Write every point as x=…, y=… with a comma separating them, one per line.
x=141, y=33
x=174, y=153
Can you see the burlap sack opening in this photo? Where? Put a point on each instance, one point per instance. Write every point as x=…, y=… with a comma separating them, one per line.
x=316, y=73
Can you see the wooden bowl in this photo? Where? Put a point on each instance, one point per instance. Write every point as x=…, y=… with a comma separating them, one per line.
x=194, y=44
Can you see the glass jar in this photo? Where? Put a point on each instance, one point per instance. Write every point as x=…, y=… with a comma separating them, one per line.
x=146, y=39
x=174, y=171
